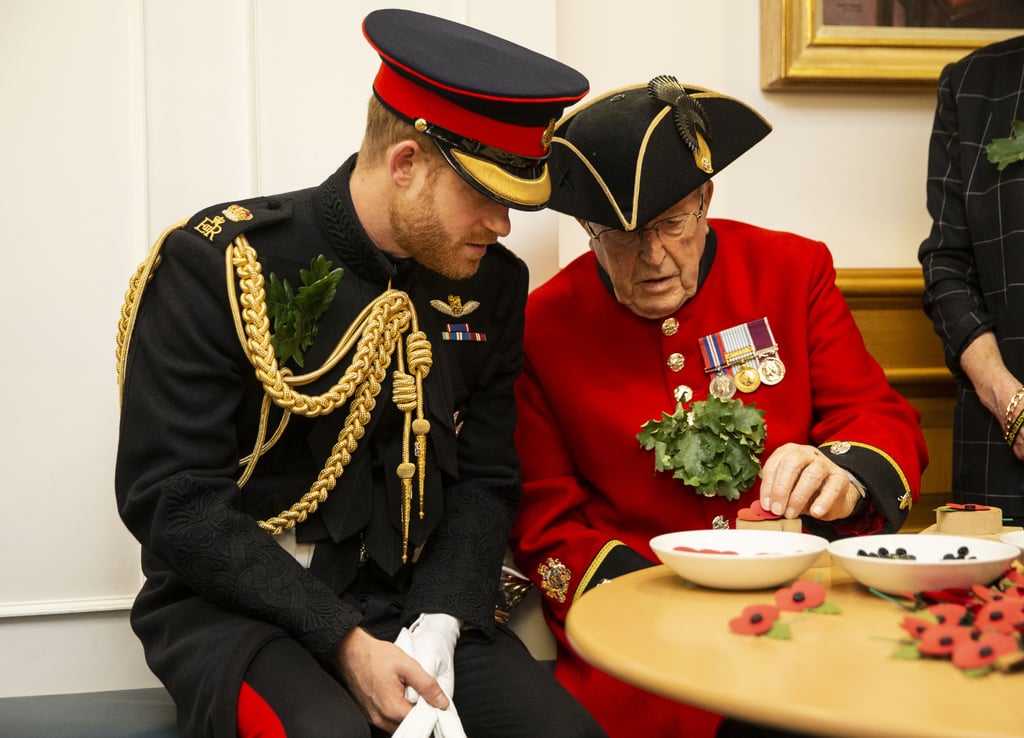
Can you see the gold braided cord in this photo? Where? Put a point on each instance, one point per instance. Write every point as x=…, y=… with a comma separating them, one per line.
x=376, y=332
x=260, y=448
x=379, y=328
x=132, y=300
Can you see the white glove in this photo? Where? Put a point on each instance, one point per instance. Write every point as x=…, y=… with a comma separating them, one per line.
x=434, y=636
x=431, y=641
x=419, y=723
x=424, y=721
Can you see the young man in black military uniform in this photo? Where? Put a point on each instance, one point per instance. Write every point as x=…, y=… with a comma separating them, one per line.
x=317, y=415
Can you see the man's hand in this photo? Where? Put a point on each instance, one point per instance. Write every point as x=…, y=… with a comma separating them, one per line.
x=377, y=672
x=799, y=479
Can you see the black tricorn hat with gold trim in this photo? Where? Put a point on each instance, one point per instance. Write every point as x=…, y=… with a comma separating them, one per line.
x=625, y=157
x=490, y=105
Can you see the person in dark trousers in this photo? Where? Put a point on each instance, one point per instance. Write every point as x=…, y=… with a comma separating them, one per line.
x=317, y=411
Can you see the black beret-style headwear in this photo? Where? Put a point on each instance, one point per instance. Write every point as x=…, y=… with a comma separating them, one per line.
x=489, y=104
x=626, y=157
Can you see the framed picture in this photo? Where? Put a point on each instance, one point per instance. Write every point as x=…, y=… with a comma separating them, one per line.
x=898, y=44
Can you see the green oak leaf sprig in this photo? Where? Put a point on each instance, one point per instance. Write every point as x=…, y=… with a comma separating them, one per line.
x=712, y=447
x=1005, y=151
x=294, y=312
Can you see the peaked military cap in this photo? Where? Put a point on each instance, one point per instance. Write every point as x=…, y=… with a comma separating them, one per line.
x=489, y=104
x=626, y=157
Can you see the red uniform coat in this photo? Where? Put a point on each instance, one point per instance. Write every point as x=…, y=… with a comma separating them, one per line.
x=596, y=372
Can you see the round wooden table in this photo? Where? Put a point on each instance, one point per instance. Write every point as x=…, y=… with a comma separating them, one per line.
x=834, y=676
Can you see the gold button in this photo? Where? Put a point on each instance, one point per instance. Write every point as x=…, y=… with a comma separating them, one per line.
x=682, y=393
x=676, y=362
x=840, y=447
x=669, y=326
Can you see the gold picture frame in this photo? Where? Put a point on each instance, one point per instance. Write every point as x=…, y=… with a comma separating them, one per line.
x=800, y=52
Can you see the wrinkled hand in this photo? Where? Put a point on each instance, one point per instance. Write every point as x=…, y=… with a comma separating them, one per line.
x=377, y=673
x=799, y=479
x=431, y=641
x=1017, y=447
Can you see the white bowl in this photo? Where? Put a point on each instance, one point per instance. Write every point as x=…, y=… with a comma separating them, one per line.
x=760, y=559
x=1015, y=538
x=929, y=570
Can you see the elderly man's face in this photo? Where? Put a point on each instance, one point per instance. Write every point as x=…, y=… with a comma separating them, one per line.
x=654, y=270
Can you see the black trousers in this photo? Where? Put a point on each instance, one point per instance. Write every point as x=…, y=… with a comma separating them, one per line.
x=501, y=691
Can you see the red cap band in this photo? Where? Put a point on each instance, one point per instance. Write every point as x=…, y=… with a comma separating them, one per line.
x=415, y=101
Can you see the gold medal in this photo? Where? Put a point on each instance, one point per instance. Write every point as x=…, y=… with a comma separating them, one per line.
x=771, y=369
x=722, y=386
x=747, y=379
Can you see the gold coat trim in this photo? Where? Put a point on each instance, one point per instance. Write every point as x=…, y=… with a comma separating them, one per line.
x=584, y=584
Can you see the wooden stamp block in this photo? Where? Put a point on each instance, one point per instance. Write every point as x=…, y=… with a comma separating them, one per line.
x=793, y=526
x=966, y=522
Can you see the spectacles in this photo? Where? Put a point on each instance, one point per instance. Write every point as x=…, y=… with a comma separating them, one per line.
x=682, y=225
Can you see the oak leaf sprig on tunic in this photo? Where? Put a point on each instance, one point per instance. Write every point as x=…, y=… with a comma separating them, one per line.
x=712, y=447
x=294, y=312
x=1005, y=151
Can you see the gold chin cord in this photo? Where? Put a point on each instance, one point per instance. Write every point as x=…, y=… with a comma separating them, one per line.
x=377, y=334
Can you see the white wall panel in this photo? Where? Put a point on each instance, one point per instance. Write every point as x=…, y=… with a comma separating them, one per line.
x=200, y=106
x=70, y=199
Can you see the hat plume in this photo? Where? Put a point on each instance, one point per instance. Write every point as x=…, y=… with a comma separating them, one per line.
x=688, y=113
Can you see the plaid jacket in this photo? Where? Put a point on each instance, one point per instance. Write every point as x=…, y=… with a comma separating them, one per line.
x=973, y=258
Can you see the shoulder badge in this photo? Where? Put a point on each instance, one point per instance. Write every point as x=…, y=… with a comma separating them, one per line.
x=221, y=224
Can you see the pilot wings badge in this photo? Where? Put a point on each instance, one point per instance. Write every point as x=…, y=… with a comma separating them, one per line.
x=454, y=307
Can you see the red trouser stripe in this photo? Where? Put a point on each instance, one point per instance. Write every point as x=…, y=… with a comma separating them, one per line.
x=257, y=719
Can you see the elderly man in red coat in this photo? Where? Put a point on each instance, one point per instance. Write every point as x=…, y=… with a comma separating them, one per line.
x=670, y=307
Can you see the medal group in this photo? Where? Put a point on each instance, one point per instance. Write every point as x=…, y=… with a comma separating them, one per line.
x=741, y=358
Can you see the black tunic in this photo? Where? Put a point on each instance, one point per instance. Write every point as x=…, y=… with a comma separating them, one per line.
x=217, y=586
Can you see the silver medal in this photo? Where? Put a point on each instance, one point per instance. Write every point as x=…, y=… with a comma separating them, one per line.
x=722, y=386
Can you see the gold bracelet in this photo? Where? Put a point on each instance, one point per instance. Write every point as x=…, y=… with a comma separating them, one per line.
x=1014, y=401
x=1012, y=431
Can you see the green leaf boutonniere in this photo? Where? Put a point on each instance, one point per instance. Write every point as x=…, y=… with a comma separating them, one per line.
x=1005, y=151
x=294, y=312
x=712, y=447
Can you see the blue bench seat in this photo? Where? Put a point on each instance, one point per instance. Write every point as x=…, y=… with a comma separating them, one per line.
x=127, y=713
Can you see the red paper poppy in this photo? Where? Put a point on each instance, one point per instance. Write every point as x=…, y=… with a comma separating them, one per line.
x=756, y=512
x=916, y=626
x=755, y=620
x=1015, y=578
x=803, y=595
x=940, y=640
x=987, y=594
x=971, y=654
x=959, y=596
x=1003, y=616
x=948, y=613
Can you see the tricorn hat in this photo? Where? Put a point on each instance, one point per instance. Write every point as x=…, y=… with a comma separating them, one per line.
x=489, y=104
x=625, y=157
